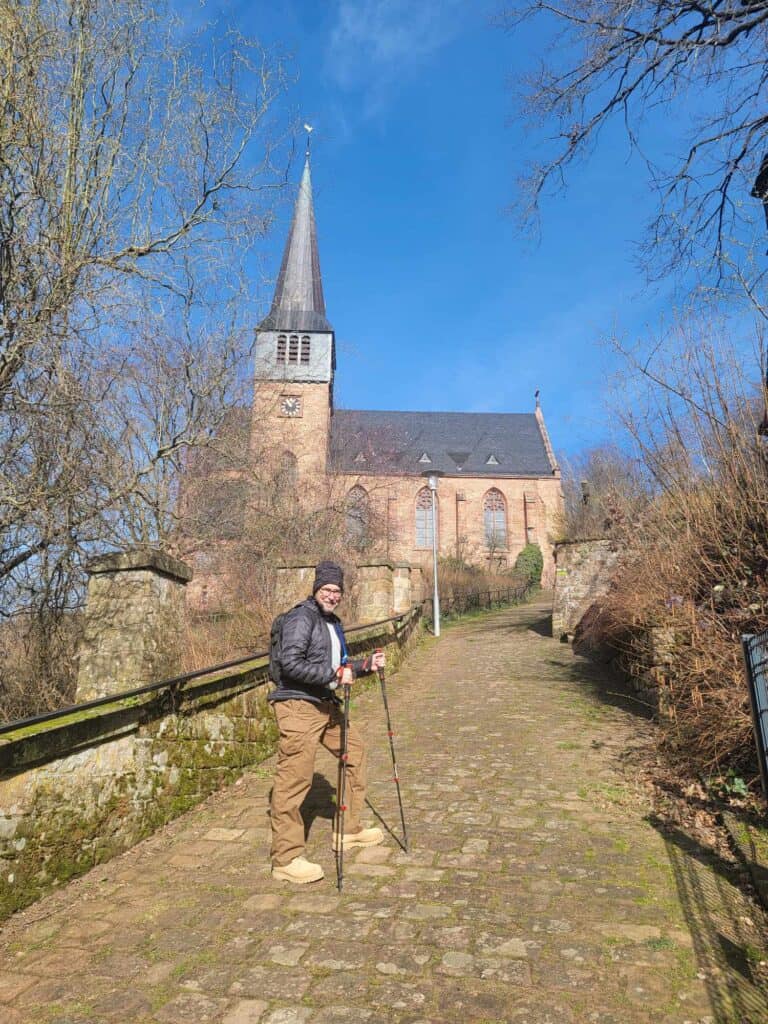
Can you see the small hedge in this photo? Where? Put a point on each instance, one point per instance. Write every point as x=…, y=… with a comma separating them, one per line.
x=530, y=563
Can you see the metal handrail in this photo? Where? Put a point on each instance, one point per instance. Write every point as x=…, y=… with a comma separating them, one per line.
x=176, y=681
x=163, y=684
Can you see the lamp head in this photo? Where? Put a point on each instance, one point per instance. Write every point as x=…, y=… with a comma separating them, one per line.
x=432, y=476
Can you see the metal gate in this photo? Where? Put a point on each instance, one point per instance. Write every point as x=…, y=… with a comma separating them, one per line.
x=755, y=649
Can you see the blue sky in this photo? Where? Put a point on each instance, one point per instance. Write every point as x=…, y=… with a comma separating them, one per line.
x=438, y=300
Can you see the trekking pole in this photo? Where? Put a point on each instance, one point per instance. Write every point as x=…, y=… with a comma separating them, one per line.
x=342, y=791
x=390, y=733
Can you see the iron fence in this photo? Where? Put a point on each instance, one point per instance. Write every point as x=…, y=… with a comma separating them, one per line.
x=463, y=601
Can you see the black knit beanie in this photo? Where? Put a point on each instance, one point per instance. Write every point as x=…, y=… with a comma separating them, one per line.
x=328, y=572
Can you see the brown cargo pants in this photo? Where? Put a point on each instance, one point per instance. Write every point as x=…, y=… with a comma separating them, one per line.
x=303, y=726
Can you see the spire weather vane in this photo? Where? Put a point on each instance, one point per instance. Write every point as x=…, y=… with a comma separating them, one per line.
x=308, y=128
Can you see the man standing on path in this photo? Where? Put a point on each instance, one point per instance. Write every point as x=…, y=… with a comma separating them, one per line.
x=312, y=665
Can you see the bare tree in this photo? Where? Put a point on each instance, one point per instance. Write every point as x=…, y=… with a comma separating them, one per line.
x=702, y=64
x=124, y=185
x=137, y=169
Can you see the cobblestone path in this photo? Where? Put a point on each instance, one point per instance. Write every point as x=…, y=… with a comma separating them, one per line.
x=537, y=889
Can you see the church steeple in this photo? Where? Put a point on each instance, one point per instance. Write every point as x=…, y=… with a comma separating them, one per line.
x=298, y=304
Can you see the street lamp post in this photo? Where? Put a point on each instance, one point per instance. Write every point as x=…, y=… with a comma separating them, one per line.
x=432, y=481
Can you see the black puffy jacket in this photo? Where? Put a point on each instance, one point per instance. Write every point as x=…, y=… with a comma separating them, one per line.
x=306, y=668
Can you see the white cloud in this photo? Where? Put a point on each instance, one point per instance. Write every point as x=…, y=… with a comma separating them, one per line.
x=374, y=43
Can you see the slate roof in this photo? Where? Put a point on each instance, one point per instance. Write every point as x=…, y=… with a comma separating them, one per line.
x=456, y=443
x=299, y=304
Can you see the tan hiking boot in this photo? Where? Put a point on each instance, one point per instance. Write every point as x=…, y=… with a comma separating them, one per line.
x=365, y=837
x=300, y=870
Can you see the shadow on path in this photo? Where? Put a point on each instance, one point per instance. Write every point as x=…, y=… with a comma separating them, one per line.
x=721, y=927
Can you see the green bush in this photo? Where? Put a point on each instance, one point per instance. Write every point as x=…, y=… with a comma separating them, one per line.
x=530, y=563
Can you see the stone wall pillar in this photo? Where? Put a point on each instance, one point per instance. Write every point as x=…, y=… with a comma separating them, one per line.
x=583, y=577
x=134, y=622
x=375, y=598
x=402, y=598
x=418, y=583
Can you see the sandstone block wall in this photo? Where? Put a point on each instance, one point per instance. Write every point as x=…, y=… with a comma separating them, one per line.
x=375, y=593
x=583, y=575
x=305, y=435
x=532, y=510
x=403, y=590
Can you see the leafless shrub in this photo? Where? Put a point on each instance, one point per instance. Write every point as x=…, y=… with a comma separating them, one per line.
x=38, y=664
x=246, y=512
x=695, y=558
x=603, y=490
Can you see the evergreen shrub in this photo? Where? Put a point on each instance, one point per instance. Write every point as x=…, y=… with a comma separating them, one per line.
x=530, y=563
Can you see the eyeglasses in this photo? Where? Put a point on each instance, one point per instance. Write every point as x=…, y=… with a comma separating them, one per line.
x=328, y=592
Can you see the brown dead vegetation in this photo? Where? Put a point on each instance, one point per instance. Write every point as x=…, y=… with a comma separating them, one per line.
x=695, y=544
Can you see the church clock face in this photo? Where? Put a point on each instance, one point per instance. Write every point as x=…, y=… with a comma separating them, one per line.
x=290, y=405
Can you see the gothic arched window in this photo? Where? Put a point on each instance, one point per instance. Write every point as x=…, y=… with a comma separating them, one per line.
x=358, y=516
x=424, y=518
x=495, y=519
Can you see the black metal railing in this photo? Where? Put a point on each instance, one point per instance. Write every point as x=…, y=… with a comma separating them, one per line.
x=459, y=603
x=173, y=685
x=754, y=647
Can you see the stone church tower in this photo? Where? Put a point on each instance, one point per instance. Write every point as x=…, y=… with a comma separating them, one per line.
x=295, y=358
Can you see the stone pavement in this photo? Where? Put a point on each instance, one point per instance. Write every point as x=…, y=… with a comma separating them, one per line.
x=537, y=889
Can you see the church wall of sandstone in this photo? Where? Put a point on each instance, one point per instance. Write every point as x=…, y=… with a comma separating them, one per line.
x=461, y=527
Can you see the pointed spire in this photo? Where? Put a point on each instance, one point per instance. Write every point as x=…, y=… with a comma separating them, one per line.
x=298, y=304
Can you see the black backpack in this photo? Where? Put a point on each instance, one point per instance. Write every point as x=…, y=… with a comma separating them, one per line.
x=276, y=645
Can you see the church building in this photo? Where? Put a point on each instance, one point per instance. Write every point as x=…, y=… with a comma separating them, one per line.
x=498, y=483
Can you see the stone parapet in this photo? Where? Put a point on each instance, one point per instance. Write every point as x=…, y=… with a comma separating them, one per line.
x=418, y=584
x=77, y=789
x=402, y=592
x=141, y=558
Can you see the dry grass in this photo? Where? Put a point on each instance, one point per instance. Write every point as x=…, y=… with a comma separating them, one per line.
x=38, y=665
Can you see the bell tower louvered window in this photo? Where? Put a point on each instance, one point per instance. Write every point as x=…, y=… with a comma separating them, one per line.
x=424, y=518
x=293, y=348
x=282, y=346
x=305, y=349
x=495, y=519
